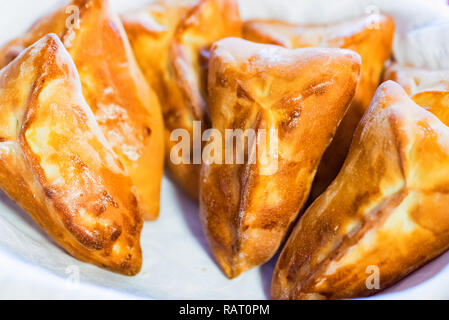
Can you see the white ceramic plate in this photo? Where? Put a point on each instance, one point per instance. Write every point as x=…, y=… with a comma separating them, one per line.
x=177, y=262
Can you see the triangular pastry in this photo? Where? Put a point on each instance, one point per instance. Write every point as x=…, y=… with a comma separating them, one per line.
x=371, y=38
x=57, y=165
x=415, y=80
x=127, y=110
x=384, y=216
x=247, y=209
x=171, y=40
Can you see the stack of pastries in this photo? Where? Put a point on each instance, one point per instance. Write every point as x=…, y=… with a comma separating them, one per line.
x=360, y=166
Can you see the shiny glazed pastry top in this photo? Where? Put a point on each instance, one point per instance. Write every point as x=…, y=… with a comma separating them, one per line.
x=57, y=165
x=171, y=41
x=247, y=209
x=427, y=88
x=127, y=111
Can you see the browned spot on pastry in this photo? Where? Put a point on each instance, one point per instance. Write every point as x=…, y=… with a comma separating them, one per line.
x=99, y=208
x=101, y=205
x=361, y=199
x=292, y=119
x=133, y=200
x=243, y=94
x=120, y=165
x=135, y=214
x=107, y=251
x=242, y=118
x=268, y=225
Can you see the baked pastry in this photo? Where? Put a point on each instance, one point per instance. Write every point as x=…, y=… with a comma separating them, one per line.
x=427, y=88
x=171, y=40
x=385, y=211
x=127, y=110
x=371, y=39
x=247, y=209
x=416, y=80
x=57, y=165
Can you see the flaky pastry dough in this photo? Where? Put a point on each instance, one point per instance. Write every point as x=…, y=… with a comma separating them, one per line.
x=247, y=209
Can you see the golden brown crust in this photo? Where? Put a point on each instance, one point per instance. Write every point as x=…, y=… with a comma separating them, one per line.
x=415, y=80
x=127, y=110
x=387, y=208
x=427, y=88
x=171, y=41
x=57, y=165
x=371, y=40
x=303, y=94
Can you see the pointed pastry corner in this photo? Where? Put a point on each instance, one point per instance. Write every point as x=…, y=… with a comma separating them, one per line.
x=385, y=214
x=247, y=209
x=389, y=92
x=428, y=88
x=371, y=38
x=57, y=165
